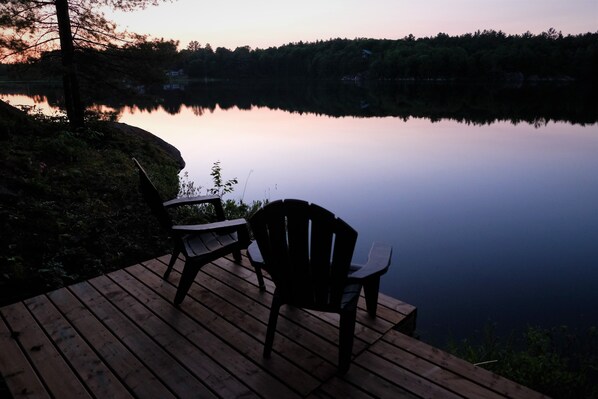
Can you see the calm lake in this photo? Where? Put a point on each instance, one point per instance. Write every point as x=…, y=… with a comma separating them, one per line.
x=489, y=198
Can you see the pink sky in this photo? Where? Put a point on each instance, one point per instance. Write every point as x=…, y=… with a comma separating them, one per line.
x=266, y=23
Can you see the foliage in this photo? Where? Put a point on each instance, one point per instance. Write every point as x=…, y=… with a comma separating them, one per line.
x=32, y=28
x=233, y=209
x=70, y=204
x=484, y=54
x=558, y=362
x=221, y=187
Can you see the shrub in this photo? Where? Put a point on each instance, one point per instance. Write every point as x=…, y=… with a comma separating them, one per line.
x=559, y=362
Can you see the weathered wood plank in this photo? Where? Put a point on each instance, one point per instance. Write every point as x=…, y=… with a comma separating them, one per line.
x=141, y=310
x=177, y=378
x=310, y=320
x=122, y=330
x=19, y=376
x=98, y=378
x=404, y=378
x=306, y=330
x=395, y=304
x=460, y=367
x=295, y=324
x=367, y=329
x=338, y=387
x=51, y=367
x=217, y=349
x=375, y=384
x=117, y=356
x=382, y=313
x=389, y=308
x=432, y=372
x=212, y=313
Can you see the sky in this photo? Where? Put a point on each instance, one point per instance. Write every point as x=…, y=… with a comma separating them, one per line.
x=272, y=23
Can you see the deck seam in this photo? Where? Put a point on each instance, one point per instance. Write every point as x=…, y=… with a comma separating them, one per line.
x=89, y=344
x=209, y=330
x=123, y=327
x=112, y=332
x=153, y=339
x=206, y=327
x=287, y=319
x=109, y=330
x=53, y=344
x=23, y=351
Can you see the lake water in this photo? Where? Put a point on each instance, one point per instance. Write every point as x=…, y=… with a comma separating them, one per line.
x=491, y=222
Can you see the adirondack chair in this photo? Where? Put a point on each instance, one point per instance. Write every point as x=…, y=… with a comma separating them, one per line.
x=307, y=251
x=199, y=244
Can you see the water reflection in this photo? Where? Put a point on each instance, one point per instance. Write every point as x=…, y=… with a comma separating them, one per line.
x=476, y=104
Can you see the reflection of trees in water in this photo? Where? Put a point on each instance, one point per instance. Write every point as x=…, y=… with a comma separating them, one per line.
x=467, y=103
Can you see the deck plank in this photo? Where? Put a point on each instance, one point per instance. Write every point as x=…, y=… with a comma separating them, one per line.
x=170, y=330
x=92, y=371
x=432, y=372
x=215, y=314
x=499, y=384
x=173, y=375
x=221, y=352
x=367, y=329
x=405, y=378
x=56, y=375
x=310, y=320
x=140, y=380
x=119, y=335
x=18, y=373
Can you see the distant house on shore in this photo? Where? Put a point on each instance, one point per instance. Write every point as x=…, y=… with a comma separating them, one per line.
x=179, y=73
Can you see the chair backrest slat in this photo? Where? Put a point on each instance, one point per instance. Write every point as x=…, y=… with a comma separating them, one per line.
x=152, y=198
x=306, y=250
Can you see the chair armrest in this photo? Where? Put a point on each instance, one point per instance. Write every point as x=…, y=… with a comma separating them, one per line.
x=215, y=200
x=377, y=264
x=224, y=226
x=254, y=255
x=201, y=199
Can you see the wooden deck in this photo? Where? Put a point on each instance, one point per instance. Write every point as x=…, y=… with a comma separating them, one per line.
x=119, y=336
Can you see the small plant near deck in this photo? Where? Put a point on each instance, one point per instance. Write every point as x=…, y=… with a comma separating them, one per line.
x=558, y=362
x=233, y=209
x=221, y=187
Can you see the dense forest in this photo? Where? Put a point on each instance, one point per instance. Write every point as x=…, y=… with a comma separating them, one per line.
x=487, y=55
x=481, y=55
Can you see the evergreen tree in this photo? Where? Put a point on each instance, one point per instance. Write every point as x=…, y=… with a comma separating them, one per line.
x=31, y=27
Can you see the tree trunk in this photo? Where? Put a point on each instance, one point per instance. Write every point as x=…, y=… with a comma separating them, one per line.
x=72, y=96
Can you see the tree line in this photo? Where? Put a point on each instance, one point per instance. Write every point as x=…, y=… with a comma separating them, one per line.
x=484, y=54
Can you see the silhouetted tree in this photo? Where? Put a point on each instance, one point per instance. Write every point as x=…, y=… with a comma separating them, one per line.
x=31, y=27
x=194, y=45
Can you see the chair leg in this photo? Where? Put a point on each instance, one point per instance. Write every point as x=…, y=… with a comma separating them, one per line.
x=370, y=289
x=346, y=334
x=237, y=255
x=274, y=309
x=187, y=277
x=173, y=258
x=260, y=278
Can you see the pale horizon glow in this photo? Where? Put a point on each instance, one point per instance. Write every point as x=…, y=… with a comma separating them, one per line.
x=273, y=23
